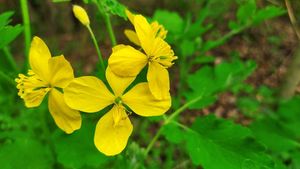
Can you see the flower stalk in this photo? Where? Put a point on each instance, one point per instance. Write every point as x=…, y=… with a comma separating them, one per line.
x=27, y=31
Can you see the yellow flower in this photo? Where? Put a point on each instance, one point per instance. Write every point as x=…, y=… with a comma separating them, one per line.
x=81, y=15
x=48, y=74
x=127, y=61
x=158, y=30
x=89, y=94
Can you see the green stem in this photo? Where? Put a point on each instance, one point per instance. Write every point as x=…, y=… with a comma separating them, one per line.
x=150, y=145
x=27, y=31
x=57, y=1
x=107, y=23
x=110, y=29
x=170, y=119
x=10, y=59
x=97, y=48
x=183, y=126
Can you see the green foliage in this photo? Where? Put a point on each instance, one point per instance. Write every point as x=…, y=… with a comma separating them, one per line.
x=171, y=20
x=112, y=7
x=278, y=131
x=7, y=32
x=233, y=146
x=210, y=139
x=25, y=153
x=80, y=145
x=209, y=80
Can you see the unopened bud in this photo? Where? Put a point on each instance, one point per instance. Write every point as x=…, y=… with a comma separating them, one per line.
x=81, y=15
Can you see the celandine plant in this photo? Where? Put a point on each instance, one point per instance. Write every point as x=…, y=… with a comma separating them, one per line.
x=136, y=81
x=89, y=94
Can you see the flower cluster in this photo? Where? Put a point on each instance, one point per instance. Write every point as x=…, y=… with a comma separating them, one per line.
x=69, y=95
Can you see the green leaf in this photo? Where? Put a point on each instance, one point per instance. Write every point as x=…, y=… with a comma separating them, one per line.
x=78, y=150
x=218, y=143
x=268, y=13
x=246, y=12
x=248, y=106
x=296, y=160
x=25, y=153
x=209, y=80
x=173, y=133
x=114, y=7
x=187, y=48
x=134, y=157
x=8, y=34
x=289, y=113
x=5, y=18
x=267, y=130
x=170, y=20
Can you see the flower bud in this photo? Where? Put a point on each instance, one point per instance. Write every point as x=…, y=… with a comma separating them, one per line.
x=81, y=15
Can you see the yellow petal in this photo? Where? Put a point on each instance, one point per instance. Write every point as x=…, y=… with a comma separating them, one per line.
x=81, y=15
x=32, y=89
x=39, y=55
x=144, y=33
x=130, y=16
x=61, y=71
x=131, y=35
x=142, y=102
x=88, y=94
x=162, y=52
x=117, y=83
x=34, y=98
x=158, y=79
x=65, y=118
x=159, y=30
x=127, y=61
x=118, y=47
x=111, y=138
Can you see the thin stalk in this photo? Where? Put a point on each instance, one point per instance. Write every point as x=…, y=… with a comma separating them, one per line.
x=10, y=59
x=150, y=145
x=170, y=119
x=182, y=108
x=292, y=17
x=110, y=30
x=58, y=1
x=292, y=77
x=97, y=48
x=27, y=31
x=107, y=23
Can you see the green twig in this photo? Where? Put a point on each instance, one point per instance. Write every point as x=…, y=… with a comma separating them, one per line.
x=27, y=31
x=292, y=17
x=110, y=29
x=170, y=119
x=97, y=48
x=10, y=59
x=58, y=1
x=107, y=23
x=150, y=145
